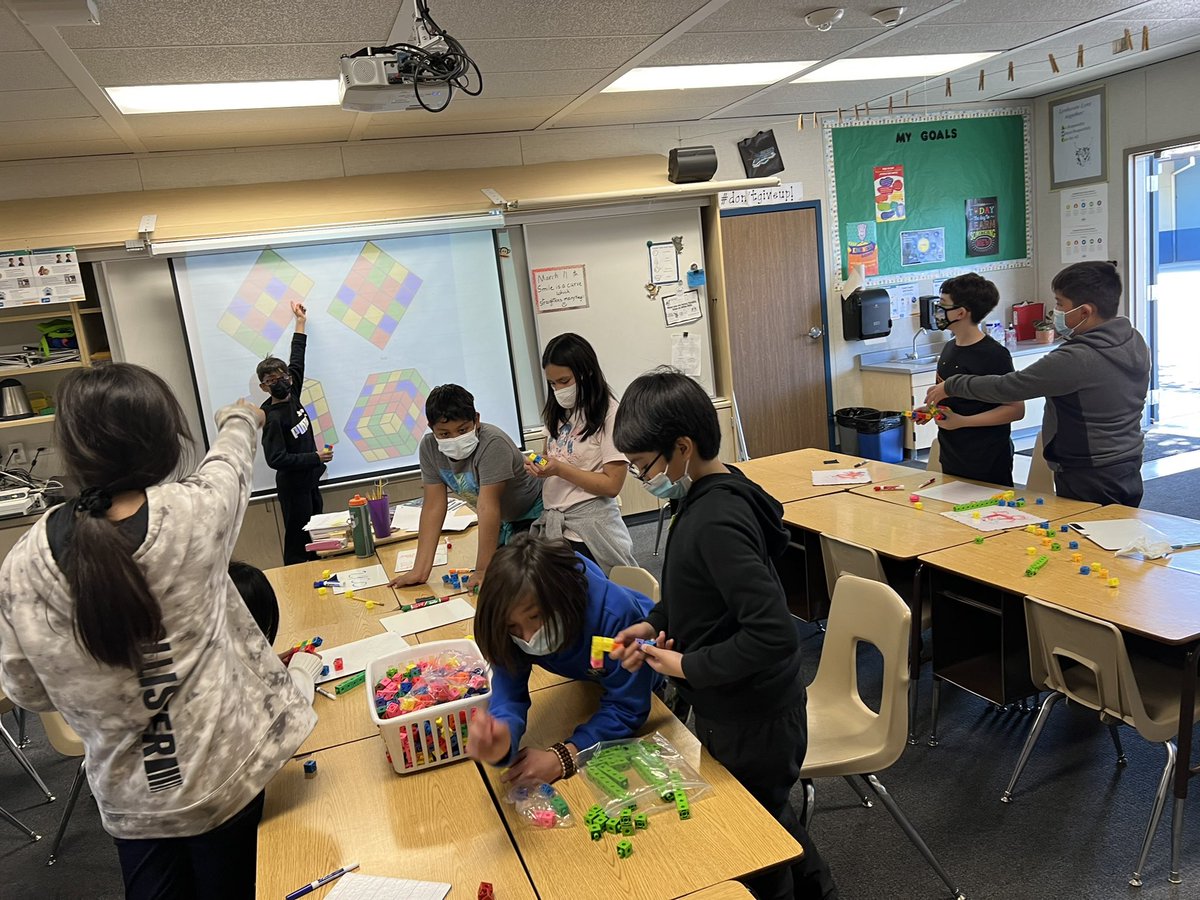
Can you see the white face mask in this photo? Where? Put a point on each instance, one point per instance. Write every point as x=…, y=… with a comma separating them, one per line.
x=459, y=447
x=566, y=396
x=541, y=644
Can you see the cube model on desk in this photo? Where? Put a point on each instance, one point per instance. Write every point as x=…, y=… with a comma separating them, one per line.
x=485, y=891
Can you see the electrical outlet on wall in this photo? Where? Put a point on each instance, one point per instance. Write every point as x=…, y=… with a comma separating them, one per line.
x=14, y=455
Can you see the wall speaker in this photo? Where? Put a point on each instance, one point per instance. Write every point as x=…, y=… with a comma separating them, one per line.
x=689, y=164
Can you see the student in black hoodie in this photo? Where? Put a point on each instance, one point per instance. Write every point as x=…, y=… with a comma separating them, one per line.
x=289, y=445
x=733, y=649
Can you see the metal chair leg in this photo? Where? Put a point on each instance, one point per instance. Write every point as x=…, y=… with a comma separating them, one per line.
x=66, y=816
x=937, y=699
x=22, y=734
x=1114, y=732
x=18, y=824
x=662, y=514
x=1176, y=838
x=859, y=792
x=1156, y=811
x=810, y=802
x=25, y=764
x=901, y=820
x=1038, y=724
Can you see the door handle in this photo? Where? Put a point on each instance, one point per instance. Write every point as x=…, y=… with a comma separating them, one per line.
x=816, y=332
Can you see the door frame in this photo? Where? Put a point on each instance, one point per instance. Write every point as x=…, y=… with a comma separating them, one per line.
x=821, y=280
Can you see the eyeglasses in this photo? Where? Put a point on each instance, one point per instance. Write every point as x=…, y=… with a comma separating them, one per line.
x=640, y=474
x=275, y=379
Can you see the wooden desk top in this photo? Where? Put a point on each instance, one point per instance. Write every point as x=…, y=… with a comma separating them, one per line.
x=728, y=836
x=439, y=825
x=1183, y=561
x=890, y=529
x=1052, y=507
x=788, y=476
x=726, y=890
x=1152, y=600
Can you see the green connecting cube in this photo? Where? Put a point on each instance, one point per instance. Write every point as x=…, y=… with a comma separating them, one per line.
x=596, y=831
x=640, y=821
x=624, y=849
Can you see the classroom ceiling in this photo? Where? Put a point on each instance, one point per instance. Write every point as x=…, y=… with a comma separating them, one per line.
x=544, y=63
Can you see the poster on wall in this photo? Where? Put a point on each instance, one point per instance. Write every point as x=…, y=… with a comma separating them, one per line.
x=889, y=194
x=1077, y=135
x=1084, y=225
x=983, y=227
x=862, y=247
x=31, y=277
x=557, y=288
x=922, y=247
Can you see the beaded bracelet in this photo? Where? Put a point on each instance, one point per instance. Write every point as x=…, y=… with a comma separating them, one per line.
x=564, y=759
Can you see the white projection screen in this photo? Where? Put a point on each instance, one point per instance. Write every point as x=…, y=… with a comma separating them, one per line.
x=388, y=320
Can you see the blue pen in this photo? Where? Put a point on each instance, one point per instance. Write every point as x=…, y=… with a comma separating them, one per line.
x=321, y=882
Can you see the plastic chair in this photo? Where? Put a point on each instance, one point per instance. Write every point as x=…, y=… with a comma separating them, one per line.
x=63, y=738
x=636, y=579
x=848, y=558
x=1085, y=659
x=846, y=737
x=1041, y=479
x=7, y=705
x=935, y=457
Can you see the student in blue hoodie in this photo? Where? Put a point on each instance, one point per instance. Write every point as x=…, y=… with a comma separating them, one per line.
x=543, y=603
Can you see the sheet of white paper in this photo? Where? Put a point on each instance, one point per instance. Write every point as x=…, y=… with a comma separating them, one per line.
x=957, y=492
x=682, y=308
x=841, y=476
x=664, y=263
x=685, y=353
x=1113, y=534
x=427, y=617
x=994, y=518
x=459, y=517
x=353, y=886
x=357, y=654
x=325, y=521
x=406, y=559
x=361, y=579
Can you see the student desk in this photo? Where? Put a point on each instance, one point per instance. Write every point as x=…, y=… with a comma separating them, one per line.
x=1183, y=561
x=1051, y=507
x=788, y=476
x=726, y=890
x=728, y=836
x=439, y=825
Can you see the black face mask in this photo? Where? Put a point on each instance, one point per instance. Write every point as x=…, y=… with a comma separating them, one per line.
x=281, y=389
x=940, y=319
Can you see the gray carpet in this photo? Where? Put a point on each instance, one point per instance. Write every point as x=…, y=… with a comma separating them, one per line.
x=1073, y=831
x=1176, y=494
x=1159, y=444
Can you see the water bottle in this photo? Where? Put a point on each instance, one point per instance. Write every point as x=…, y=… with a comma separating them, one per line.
x=360, y=520
x=1010, y=337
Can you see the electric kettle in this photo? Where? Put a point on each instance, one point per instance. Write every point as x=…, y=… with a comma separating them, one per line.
x=14, y=404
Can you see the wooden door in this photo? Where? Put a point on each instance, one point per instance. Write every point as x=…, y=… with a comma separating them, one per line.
x=772, y=266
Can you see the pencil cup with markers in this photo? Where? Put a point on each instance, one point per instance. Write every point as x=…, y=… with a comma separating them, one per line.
x=381, y=515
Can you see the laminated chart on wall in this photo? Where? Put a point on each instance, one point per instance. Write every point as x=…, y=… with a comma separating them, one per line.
x=387, y=320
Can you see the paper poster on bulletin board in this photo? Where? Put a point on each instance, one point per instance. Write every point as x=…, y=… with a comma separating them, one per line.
x=559, y=287
x=945, y=193
x=31, y=277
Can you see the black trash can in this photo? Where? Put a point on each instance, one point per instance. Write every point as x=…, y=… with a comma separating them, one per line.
x=880, y=436
x=848, y=420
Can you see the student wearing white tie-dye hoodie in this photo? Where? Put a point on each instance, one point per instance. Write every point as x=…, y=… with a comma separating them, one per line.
x=117, y=610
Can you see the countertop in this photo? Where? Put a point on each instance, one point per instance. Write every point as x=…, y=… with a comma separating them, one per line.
x=877, y=361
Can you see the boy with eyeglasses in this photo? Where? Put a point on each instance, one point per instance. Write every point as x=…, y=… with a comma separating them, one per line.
x=974, y=436
x=289, y=445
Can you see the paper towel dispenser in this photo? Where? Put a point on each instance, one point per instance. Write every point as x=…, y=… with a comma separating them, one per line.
x=866, y=313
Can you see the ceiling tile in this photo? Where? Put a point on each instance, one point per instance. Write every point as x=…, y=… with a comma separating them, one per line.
x=16, y=106
x=939, y=38
x=466, y=19
x=544, y=54
x=169, y=23
x=13, y=35
x=232, y=140
x=51, y=130
x=61, y=149
x=30, y=70
x=192, y=65
x=771, y=15
x=68, y=177
x=368, y=157
x=540, y=84
x=627, y=117
x=240, y=120
x=554, y=144
x=710, y=98
x=468, y=108
x=755, y=46
x=1065, y=12
x=428, y=128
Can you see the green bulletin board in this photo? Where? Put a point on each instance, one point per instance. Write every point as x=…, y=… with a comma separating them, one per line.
x=919, y=196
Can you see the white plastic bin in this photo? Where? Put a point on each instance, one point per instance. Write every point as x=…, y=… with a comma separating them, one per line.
x=430, y=737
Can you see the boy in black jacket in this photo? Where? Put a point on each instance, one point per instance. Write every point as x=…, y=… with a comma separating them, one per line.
x=289, y=445
x=734, y=651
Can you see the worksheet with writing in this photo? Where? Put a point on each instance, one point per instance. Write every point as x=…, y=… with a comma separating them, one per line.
x=377, y=887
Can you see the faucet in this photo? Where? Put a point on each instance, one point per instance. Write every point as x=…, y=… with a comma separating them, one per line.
x=913, y=354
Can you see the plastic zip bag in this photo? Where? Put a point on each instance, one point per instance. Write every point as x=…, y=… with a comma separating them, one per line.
x=541, y=806
x=645, y=775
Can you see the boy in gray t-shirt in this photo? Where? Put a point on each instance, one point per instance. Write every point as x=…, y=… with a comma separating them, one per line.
x=480, y=464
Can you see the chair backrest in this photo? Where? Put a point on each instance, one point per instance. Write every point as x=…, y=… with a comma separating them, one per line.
x=636, y=579
x=935, y=457
x=6, y=705
x=1041, y=479
x=867, y=611
x=1086, y=659
x=61, y=735
x=847, y=558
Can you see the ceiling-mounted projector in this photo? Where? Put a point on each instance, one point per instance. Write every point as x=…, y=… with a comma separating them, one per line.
x=380, y=83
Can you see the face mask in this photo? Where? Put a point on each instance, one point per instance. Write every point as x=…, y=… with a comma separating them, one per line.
x=459, y=447
x=566, y=396
x=664, y=488
x=940, y=318
x=1060, y=322
x=541, y=644
x=281, y=389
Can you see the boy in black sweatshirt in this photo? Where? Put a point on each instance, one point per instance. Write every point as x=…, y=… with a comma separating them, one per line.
x=289, y=445
x=733, y=650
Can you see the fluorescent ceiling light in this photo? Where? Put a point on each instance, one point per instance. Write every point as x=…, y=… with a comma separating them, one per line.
x=679, y=78
x=170, y=98
x=872, y=68
x=330, y=234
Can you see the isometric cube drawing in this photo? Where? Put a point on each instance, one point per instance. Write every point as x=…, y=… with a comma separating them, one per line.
x=374, y=296
x=312, y=396
x=261, y=310
x=388, y=419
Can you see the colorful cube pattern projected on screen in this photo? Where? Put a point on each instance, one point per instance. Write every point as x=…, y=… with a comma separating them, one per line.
x=312, y=396
x=261, y=310
x=375, y=295
x=388, y=420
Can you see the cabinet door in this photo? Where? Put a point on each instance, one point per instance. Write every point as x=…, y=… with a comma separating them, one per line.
x=922, y=435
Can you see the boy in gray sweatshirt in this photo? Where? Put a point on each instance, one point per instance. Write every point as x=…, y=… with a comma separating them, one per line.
x=1095, y=384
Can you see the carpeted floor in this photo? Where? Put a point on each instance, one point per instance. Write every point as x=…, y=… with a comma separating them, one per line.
x=1176, y=494
x=1158, y=445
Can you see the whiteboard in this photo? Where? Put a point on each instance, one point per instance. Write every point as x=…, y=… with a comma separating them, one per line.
x=627, y=330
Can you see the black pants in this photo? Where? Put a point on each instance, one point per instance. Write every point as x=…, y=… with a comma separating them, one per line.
x=765, y=756
x=219, y=863
x=299, y=500
x=1120, y=483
